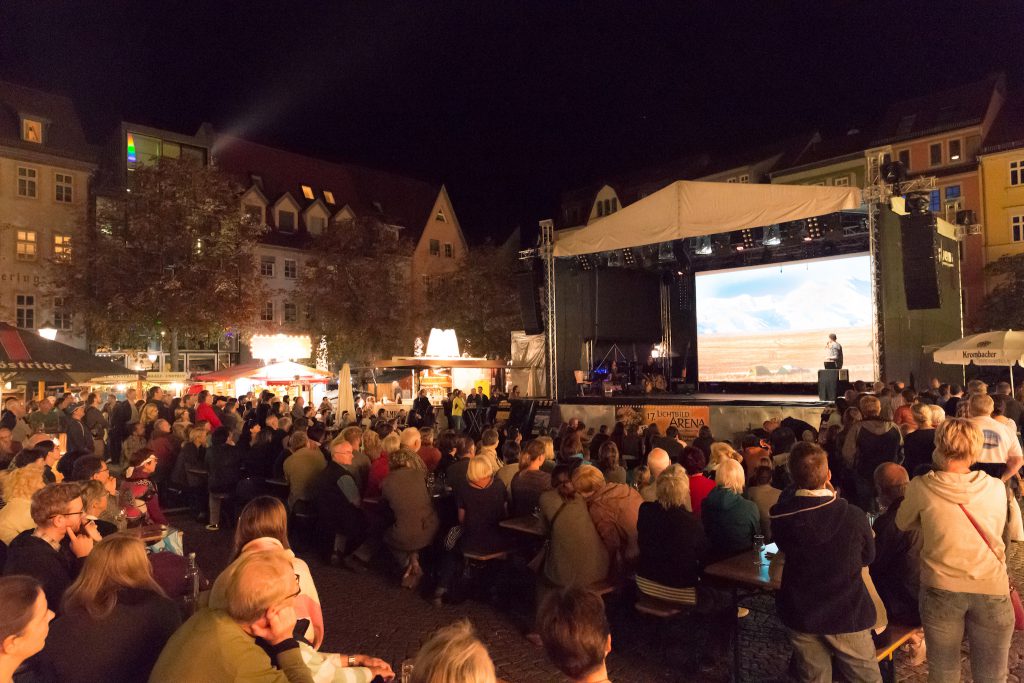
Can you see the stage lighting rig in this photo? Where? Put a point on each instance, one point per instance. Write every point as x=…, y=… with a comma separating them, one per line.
x=772, y=236
x=702, y=245
x=629, y=257
x=584, y=262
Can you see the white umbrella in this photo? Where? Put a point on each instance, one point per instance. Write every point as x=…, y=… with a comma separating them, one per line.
x=1002, y=347
x=345, y=401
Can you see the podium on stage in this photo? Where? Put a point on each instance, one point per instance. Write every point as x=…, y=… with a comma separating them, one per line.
x=828, y=383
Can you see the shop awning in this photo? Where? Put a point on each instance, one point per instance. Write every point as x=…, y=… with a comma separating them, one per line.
x=422, y=363
x=694, y=209
x=27, y=357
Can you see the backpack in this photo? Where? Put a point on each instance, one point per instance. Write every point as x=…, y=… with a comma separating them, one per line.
x=874, y=449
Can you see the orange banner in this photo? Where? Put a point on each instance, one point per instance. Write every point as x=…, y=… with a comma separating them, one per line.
x=687, y=419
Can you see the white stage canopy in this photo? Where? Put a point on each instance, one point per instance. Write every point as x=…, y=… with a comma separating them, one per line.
x=693, y=209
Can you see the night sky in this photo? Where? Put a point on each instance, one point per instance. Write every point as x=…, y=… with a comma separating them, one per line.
x=509, y=103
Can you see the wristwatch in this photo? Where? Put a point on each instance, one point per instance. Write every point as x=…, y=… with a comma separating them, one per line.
x=351, y=660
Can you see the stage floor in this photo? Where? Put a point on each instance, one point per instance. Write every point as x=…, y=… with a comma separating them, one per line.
x=803, y=401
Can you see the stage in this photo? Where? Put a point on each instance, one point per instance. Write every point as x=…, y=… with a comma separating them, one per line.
x=702, y=398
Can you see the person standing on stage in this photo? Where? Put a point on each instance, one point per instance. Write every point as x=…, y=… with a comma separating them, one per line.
x=833, y=353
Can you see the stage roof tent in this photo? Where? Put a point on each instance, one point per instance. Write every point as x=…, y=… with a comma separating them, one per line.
x=694, y=209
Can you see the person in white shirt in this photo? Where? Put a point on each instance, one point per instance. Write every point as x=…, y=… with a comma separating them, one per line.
x=1001, y=454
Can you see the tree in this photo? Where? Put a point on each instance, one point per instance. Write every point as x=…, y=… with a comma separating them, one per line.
x=1003, y=308
x=172, y=257
x=478, y=301
x=356, y=286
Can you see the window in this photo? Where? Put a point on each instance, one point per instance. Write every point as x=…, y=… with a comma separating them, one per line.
x=435, y=247
x=449, y=251
x=291, y=312
x=1017, y=172
x=600, y=209
x=291, y=269
x=25, y=245
x=329, y=197
x=286, y=221
x=933, y=200
x=61, y=247
x=32, y=131
x=63, y=187
x=253, y=213
x=25, y=311
x=952, y=191
x=267, y=312
x=26, y=182
x=614, y=201
x=954, y=150
x=267, y=266
x=935, y=154
x=841, y=181
x=904, y=157
x=316, y=224
x=440, y=216
x=307, y=191
x=1017, y=228
x=730, y=180
x=744, y=178
x=61, y=316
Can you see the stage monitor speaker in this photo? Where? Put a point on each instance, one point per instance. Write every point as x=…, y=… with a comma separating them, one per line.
x=529, y=303
x=918, y=237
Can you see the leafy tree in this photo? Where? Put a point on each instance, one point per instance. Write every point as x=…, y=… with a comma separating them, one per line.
x=172, y=255
x=478, y=301
x=1003, y=308
x=357, y=290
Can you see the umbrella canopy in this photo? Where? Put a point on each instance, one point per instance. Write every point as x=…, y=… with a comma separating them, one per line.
x=1003, y=347
x=284, y=373
x=345, y=401
x=27, y=357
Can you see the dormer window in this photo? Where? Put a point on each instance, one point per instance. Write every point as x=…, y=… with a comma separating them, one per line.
x=286, y=221
x=329, y=197
x=32, y=130
x=307, y=191
x=440, y=216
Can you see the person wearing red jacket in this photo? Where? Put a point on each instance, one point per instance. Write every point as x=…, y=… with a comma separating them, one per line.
x=204, y=411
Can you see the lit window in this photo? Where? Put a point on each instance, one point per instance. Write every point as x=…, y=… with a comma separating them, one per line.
x=952, y=191
x=328, y=196
x=291, y=313
x=842, y=181
x=935, y=154
x=32, y=131
x=1017, y=172
x=25, y=311
x=267, y=266
x=307, y=191
x=435, y=247
x=440, y=216
x=62, y=247
x=64, y=187
x=26, y=245
x=954, y=150
x=26, y=182
x=291, y=269
x=61, y=316
x=904, y=157
x=449, y=251
x=933, y=200
x=286, y=221
x=267, y=312
x=1017, y=228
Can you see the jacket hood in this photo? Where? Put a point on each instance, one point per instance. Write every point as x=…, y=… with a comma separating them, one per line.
x=816, y=517
x=954, y=487
x=721, y=498
x=877, y=425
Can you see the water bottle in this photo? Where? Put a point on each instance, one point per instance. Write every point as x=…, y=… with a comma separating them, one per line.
x=192, y=584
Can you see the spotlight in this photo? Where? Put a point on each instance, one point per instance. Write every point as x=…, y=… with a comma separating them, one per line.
x=812, y=230
x=772, y=236
x=702, y=245
x=584, y=263
x=629, y=256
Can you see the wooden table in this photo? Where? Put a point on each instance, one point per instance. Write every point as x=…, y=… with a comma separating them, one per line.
x=528, y=524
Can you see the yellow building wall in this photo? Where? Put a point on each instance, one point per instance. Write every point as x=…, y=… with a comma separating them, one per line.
x=1001, y=201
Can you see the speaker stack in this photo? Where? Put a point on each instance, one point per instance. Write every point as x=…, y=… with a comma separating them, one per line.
x=919, y=245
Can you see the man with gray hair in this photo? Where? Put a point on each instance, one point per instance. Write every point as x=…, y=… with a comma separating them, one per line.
x=896, y=569
x=657, y=462
x=1012, y=408
x=1001, y=454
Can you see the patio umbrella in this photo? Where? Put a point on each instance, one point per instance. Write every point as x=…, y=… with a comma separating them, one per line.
x=27, y=357
x=1001, y=347
x=345, y=401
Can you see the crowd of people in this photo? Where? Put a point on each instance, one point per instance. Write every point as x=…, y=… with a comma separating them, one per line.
x=910, y=495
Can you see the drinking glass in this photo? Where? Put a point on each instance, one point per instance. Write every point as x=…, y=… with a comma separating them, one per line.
x=759, y=549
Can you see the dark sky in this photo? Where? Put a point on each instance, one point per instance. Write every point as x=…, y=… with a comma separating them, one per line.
x=509, y=103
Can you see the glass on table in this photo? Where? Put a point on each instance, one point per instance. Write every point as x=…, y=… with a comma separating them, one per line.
x=405, y=674
x=759, y=550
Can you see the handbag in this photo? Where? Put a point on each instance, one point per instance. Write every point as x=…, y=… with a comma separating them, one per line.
x=1018, y=608
x=536, y=565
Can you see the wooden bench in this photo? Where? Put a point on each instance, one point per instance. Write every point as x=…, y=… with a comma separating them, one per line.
x=891, y=639
x=662, y=609
x=485, y=557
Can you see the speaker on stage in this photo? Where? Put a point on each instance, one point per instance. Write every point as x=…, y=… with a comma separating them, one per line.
x=529, y=303
x=918, y=237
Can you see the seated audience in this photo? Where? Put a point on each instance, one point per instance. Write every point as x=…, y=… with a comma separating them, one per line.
x=530, y=482
x=24, y=626
x=136, y=440
x=608, y=463
x=720, y=450
x=373, y=449
x=614, y=509
x=301, y=467
x=693, y=461
x=576, y=635
x=482, y=504
x=510, y=453
x=96, y=499
x=825, y=605
x=54, y=551
x=764, y=496
x=657, y=462
x=704, y=440
x=671, y=541
x=416, y=521
x=489, y=448
x=730, y=520
x=465, y=449
x=961, y=515
x=336, y=494
x=18, y=487
x=115, y=617
x=453, y=654
x=144, y=499
x=429, y=453
x=390, y=444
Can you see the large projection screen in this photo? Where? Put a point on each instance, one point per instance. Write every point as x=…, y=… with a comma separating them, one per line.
x=770, y=323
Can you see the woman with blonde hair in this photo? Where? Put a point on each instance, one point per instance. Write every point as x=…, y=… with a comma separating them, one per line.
x=453, y=654
x=18, y=486
x=729, y=519
x=116, y=618
x=919, y=444
x=382, y=465
x=614, y=509
x=720, y=450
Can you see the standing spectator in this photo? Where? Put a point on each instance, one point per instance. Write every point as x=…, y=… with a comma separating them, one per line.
x=458, y=408
x=919, y=444
x=161, y=442
x=96, y=423
x=693, y=461
x=54, y=551
x=868, y=444
x=961, y=515
x=24, y=625
x=729, y=519
x=204, y=409
x=134, y=441
x=576, y=635
x=232, y=420
x=1001, y=454
x=1012, y=408
x=825, y=606
x=115, y=617
x=632, y=445
x=78, y=438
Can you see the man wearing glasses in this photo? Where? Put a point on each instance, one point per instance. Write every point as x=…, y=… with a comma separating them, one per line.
x=54, y=551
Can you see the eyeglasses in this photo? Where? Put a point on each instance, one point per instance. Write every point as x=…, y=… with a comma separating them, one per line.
x=66, y=514
x=298, y=590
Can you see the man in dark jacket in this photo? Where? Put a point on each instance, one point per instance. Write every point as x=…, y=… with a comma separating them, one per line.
x=79, y=438
x=336, y=495
x=124, y=412
x=824, y=605
x=896, y=570
x=868, y=444
x=53, y=552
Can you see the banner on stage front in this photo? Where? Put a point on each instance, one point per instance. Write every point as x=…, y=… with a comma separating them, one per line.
x=687, y=419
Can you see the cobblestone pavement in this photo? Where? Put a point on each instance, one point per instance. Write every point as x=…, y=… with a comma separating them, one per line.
x=368, y=612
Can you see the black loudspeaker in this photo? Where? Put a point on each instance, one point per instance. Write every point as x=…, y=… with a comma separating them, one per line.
x=529, y=303
x=918, y=238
